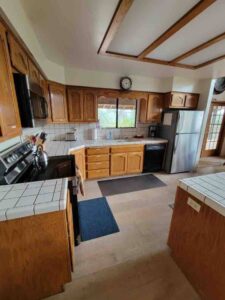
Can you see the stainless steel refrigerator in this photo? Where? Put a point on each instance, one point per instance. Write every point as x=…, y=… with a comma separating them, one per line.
x=182, y=130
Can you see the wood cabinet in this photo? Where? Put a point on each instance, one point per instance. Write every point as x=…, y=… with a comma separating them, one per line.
x=36, y=255
x=118, y=164
x=90, y=106
x=197, y=242
x=58, y=103
x=9, y=114
x=82, y=105
x=181, y=100
x=80, y=160
x=150, y=109
x=18, y=56
x=97, y=159
x=34, y=73
x=126, y=159
x=135, y=162
x=75, y=105
x=45, y=88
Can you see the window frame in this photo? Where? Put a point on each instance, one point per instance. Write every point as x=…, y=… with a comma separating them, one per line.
x=117, y=116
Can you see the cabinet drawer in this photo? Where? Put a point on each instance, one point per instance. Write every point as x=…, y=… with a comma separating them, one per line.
x=97, y=150
x=127, y=148
x=97, y=173
x=98, y=165
x=96, y=158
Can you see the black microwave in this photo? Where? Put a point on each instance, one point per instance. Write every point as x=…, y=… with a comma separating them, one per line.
x=33, y=107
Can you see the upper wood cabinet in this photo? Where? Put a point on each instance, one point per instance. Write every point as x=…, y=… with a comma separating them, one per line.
x=75, y=105
x=150, y=108
x=90, y=105
x=9, y=114
x=18, y=56
x=58, y=103
x=44, y=86
x=181, y=100
x=34, y=73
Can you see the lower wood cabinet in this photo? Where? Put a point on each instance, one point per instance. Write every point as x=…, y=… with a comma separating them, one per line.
x=80, y=160
x=126, y=159
x=118, y=164
x=97, y=162
x=36, y=255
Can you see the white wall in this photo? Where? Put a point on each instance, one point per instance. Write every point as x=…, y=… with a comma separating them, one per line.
x=18, y=19
x=185, y=84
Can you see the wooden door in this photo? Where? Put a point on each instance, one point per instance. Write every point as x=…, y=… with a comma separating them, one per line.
x=18, y=56
x=58, y=103
x=75, y=105
x=80, y=161
x=215, y=130
x=90, y=106
x=134, y=162
x=143, y=110
x=9, y=113
x=177, y=100
x=191, y=101
x=155, y=108
x=44, y=85
x=34, y=73
x=118, y=164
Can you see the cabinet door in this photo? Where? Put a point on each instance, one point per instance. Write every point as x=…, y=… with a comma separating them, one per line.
x=155, y=107
x=70, y=230
x=34, y=73
x=191, y=101
x=58, y=103
x=177, y=100
x=143, y=110
x=18, y=56
x=134, y=162
x=118, y=163
x=90, y=106
x=44, y=85
x=75, y=105
x=80, y=161
x=9, y=113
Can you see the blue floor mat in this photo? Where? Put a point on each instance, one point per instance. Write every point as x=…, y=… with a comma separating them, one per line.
x=96, y=219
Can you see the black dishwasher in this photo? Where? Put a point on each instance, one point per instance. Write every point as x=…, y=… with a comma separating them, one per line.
x=153, y=157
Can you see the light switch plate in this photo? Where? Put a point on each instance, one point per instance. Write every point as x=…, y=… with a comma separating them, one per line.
x=194, y=204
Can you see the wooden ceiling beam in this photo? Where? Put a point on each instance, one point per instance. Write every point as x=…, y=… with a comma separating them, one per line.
x=191, y=14
x=210, y=62
x=200, y=47
x=119, y=14
x=148, y=60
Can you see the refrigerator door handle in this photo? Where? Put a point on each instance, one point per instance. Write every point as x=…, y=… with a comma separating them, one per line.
x=176, y=143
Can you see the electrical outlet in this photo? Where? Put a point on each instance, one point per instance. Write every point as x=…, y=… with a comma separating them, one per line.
x=194, y=204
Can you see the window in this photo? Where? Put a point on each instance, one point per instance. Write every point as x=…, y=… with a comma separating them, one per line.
x=117, y=112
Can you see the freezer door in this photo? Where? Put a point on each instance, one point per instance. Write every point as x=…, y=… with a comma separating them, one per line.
x=189, y=121
x=184, y=153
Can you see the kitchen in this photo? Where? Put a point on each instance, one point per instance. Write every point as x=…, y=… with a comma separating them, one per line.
x=99, y=138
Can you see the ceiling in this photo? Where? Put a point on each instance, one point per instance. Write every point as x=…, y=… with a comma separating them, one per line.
x=71, y=31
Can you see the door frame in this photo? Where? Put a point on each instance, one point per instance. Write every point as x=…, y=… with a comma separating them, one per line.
x=216, y=152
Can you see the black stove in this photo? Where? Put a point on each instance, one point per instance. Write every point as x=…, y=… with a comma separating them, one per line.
x=17, y=165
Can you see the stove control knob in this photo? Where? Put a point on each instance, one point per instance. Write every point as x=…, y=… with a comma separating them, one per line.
x=9, y=159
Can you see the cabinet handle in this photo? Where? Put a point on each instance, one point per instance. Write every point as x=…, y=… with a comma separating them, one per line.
x=13, y=126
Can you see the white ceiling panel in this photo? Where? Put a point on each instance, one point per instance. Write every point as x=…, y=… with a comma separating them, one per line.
x=206, y=54
x=145, y=21
x=204, y=27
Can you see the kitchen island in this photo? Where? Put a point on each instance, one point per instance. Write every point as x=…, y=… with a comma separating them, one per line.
x=197, y=233
x=37, y=239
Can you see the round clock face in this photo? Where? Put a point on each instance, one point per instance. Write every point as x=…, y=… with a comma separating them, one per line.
x=125, y=83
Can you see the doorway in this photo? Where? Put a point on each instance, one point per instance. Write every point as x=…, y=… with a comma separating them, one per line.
x=214, y=130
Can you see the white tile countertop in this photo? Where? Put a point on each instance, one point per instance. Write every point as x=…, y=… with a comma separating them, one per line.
x=210, y=189
x=32, y=198
x=63, y=147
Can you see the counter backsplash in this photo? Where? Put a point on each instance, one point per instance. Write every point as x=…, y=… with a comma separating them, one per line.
x=84, y=131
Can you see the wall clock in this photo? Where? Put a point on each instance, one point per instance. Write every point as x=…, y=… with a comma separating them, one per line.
x=125, y=83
